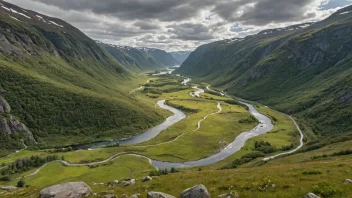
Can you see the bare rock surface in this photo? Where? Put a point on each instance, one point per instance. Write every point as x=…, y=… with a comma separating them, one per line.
x=311, y=195
x=198, y=191
x=158, y=195
x=66, y=190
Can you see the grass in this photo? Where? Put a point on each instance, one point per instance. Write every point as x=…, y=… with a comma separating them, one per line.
x=285, y=180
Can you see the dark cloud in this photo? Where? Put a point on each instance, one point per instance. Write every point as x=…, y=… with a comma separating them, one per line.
x=190, y=31
x=144, y=25
x=263, y=12
x=163, y=10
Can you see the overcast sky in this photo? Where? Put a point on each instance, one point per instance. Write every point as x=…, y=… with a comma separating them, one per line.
x=179, y=24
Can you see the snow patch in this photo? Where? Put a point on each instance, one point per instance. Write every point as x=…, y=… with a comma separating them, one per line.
x=342, y=13
x=41, y=18
x=14, y=11
x=52, y=22
x=8, y=9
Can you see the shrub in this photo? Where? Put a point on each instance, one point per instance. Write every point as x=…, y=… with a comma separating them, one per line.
x=20, y=184
x=314, y=172
x=327, y=190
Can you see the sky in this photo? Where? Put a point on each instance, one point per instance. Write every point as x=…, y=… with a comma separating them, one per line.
x=179, y=25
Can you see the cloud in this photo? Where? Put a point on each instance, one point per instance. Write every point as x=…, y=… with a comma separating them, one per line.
x=144, y=25
x=190, y=31
x=179, y=24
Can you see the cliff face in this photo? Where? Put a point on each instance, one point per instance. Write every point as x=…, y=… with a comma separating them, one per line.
x=10, y=124
x=303, y=69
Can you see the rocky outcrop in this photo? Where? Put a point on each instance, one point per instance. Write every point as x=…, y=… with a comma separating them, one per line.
x=4, y=106
x=198, y=191
x=66, y=190
x=9, y=123
x=347, y=181
x=311, y=195
x=12, y=125
x=158, y=195
x=147, y=178
x=128, y=183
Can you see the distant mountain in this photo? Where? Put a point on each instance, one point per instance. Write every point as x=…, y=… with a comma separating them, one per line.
x=140, y=58
x=305, y=70
x=180, y=56
x=61, y=85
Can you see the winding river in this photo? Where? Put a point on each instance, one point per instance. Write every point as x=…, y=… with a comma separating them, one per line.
x=262, y=128
x=145, y=136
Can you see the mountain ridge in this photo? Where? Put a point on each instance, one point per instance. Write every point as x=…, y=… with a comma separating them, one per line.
x=305, y=72
x=140, y=58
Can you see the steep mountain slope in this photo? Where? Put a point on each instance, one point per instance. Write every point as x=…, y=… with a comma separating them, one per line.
x=140, y=58
x=61, y=84
x=181, y=56
x=304, y=70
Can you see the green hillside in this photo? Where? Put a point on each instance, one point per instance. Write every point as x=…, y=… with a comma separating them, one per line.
x=303, y=70
x=62, y=85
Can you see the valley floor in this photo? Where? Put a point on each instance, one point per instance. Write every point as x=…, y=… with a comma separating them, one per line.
x=212, y=122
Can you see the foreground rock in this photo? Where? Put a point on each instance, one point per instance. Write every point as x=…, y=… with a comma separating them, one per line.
x=229, y=195
x=135, y=196
x=158, y=195
x=347, y=181
x=128, y=183
x=311, y=195
x=110, y=196
x=66, y=190
x=147, y=178
x=198, y=191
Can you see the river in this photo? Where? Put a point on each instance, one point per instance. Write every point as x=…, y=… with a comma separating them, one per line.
x=263, y=127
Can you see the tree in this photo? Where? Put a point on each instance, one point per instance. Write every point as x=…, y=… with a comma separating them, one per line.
x=20, y=184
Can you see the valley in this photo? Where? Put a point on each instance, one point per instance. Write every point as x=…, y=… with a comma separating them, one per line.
x=175, y=144
x=265, y=115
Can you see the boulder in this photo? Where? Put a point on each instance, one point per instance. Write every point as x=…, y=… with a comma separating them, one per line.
x=110, y=196
x=229, y=195
x=128, y=183
x=66, y=190
x=158, y=195
x=124, y=196
x=347, y=181
x=147, y=178
x=135, y=196
x=198, y=191
x=311, y=195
